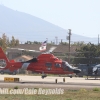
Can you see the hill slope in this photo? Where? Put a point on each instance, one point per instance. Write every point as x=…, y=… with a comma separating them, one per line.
x=26, y=27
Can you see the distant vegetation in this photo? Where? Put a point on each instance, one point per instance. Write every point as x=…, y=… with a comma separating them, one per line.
x=89, y=53
x=30, y=42
x=85, y=53
x=5, y=42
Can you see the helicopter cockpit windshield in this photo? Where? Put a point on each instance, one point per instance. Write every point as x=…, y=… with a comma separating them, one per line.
x=66, y=66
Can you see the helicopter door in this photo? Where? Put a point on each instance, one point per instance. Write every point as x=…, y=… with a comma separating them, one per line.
x=48, y=66
x=57, y=67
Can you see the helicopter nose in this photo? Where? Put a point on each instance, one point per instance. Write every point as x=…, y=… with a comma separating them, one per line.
x=77, y=71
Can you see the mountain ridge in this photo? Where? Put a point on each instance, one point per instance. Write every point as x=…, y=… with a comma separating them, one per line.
x=27, y=27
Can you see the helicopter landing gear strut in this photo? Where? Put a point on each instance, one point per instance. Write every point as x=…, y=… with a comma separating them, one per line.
x=43, y=76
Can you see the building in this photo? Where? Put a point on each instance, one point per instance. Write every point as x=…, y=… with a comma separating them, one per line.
x=34, y=50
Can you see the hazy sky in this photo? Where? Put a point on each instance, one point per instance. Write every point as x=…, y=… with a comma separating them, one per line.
x=82, y=16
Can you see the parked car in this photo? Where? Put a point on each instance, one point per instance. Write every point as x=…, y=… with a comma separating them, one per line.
x=7, y=71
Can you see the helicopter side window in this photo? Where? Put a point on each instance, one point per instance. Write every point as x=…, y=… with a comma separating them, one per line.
x=57, y=65
x=48, y=64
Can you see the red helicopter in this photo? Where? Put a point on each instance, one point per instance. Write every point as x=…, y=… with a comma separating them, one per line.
x=44, y=64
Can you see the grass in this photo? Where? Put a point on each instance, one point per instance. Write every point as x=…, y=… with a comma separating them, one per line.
x=16, y=87
x=82, y=94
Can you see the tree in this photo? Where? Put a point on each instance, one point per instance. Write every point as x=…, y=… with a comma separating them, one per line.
x=81, y=43
x=30, y=42
x=13, y=41
x=16, y=42
x=89, y=52
x=5, y=42
x=64, y=43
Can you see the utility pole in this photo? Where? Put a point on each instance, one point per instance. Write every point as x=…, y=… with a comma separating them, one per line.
x=69, y=42
x=56, y=40
x=47, y=39
x=98, y=42
x=98, y=39
x=61, y=41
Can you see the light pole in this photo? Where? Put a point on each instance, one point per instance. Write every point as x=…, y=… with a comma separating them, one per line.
x=69, y=42
x=56, y=40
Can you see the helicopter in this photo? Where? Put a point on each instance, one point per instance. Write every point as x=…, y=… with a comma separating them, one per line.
x=45, y=63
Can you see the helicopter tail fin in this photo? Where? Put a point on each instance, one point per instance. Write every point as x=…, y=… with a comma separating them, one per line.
x=4, y=62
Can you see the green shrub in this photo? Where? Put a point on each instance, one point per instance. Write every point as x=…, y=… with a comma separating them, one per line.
x=16, y=87
x=96, y=89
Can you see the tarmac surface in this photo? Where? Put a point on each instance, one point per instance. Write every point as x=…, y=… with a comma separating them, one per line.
x=49, y=82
